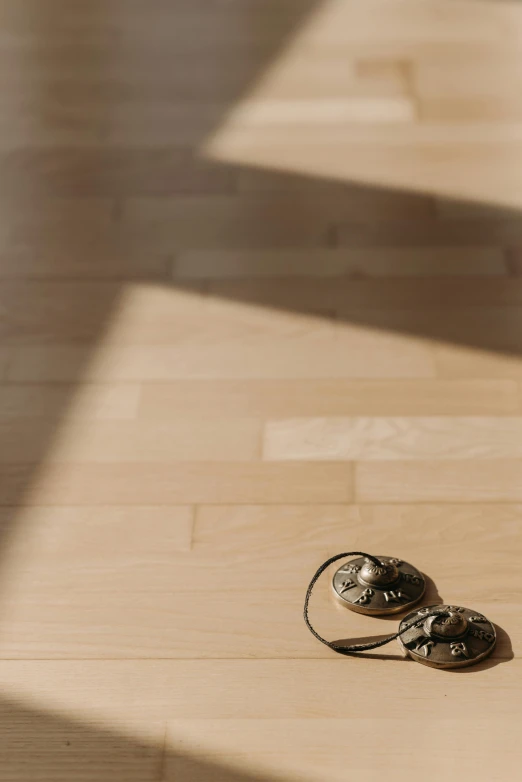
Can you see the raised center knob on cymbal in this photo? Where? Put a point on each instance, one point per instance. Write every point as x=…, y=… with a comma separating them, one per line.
x=379, y=576
x=446, y=626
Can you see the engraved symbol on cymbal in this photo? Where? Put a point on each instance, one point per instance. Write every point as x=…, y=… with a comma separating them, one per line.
x=424, y=645
x=347, y=584
x=410, y=578
x=350, y=568
x=396, y=596
x=365, y=598
x=459, y=650
x=482, y=635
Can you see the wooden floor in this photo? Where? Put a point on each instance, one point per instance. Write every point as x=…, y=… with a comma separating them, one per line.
x=260, y=302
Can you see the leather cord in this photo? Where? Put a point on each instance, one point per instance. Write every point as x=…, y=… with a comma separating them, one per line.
x=354, y=648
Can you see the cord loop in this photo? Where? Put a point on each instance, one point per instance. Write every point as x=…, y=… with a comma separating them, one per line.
x=354, y=648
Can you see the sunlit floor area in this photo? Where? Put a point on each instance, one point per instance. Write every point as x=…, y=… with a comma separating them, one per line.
x=260, y=303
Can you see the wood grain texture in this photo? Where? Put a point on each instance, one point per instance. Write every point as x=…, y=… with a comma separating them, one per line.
x=260, y=302
x=153, y=483
x=47, y=401
x=388, y=439
x=244, y=689
x=279, y=398
x=263, y=356
x=307, y=748
x=426, y=481
x=132, y=441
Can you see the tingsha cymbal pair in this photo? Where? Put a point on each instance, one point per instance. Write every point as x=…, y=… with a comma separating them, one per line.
x=442, y=636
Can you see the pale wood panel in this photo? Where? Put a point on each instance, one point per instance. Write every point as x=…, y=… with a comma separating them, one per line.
x=289, y=357
x=374, y=439
x=306, y=749
x=235, y=544
x=177, y=482
x=387, y=74
x=138, y=624
x=138, y=692
x=102, y=401
x=479, y=89
x=335, y=74
x=379, y=262
x=77, y=536
x=354, y=109
x=134, y=624
x=431, y=536
x=489, y=73
x=281, y=398
x=419, y=24
x=392, y=143
x=480, y=108
x=444, y=481
x=132, y=441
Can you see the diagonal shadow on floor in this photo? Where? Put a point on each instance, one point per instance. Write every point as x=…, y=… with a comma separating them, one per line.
x=40, y=745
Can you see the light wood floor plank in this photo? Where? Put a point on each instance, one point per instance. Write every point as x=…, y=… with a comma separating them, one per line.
x=311, y=397
x=152, y=483
x=91, y=401
x=440, y=481
x=289, y=358
x=131, y=441
x=389, y=439
x=244, y=689
x=308, y=748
